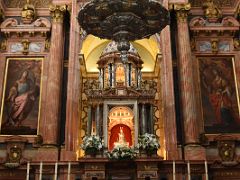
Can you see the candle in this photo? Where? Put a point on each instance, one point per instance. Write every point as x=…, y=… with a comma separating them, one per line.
x=206, y=170
x=40, y=171
x=69, y=171
x=28, y=169
x=174, y=171
x=56, y=169
x=188, y=170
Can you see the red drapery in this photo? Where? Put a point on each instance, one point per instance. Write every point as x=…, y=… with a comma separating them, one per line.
x=114, y=135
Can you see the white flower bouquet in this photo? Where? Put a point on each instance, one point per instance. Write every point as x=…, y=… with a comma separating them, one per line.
x=122, y=153
x=149, y=143
x=92, y=144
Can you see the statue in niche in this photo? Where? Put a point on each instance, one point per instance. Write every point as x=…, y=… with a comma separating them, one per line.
x=121, y=140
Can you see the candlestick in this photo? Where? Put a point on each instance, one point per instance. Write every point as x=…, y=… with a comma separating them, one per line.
x=56, y=169
x=28, y=169
x=206, y=169
x=40, y=171
x=174, y=171
x=69, y=171
x=188, y=170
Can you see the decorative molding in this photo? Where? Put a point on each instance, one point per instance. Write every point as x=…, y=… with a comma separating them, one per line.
x=40, y=27
x=219, y=3
x=226, y=150
x=57, y=12
x=15, y=146
x=21, y=3
x=228, y=26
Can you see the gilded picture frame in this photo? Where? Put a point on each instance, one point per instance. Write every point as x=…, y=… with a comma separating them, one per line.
x=219, y=95
x=20, y=110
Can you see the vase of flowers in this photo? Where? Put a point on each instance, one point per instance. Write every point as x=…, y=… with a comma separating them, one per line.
x=92, y=145
x=148, y=144
x=122, y=153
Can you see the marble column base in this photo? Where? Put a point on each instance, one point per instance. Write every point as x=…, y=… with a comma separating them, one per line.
x=47, y=154
x=194, y=152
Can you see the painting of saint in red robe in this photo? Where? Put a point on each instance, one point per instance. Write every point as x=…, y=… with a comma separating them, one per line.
x=219, y=95
x=21, y=98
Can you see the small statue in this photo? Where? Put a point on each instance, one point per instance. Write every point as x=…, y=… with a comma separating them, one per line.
x=211, y=10
x=121, y=140
x=28, y=13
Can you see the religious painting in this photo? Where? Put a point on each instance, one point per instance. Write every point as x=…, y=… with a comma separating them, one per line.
x=219, y=95
x=21, y=96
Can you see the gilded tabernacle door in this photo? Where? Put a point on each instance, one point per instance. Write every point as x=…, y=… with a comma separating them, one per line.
x=219, y=95
x=21, y=96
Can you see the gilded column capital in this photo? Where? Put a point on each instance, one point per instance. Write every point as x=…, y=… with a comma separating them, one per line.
x=57, y=12
x=182, y=11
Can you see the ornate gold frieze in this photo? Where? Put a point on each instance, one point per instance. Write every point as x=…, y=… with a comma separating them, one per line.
x=211, y=10
x=28, y=13
x=21, y=3
x=219, y=3
x=57, y=12
x=182, y=11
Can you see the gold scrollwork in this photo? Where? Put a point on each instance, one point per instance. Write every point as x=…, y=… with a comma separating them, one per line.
x=182, y=11
x=28, y=13
x=3, y=45
x=57, y=12
x=236, y=43
x=211, y=10
x=47, y=44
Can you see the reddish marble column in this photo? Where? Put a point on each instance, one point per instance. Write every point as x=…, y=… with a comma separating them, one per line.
x=166, y=76
x=185, y=67
x=73, y=90
x=53, y=103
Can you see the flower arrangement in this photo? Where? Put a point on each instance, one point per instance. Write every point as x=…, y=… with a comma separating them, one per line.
x=122, y=153
x=148, y=142
x=92, y=144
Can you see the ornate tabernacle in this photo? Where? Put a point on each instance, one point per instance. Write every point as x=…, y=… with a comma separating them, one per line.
x=113, y=118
